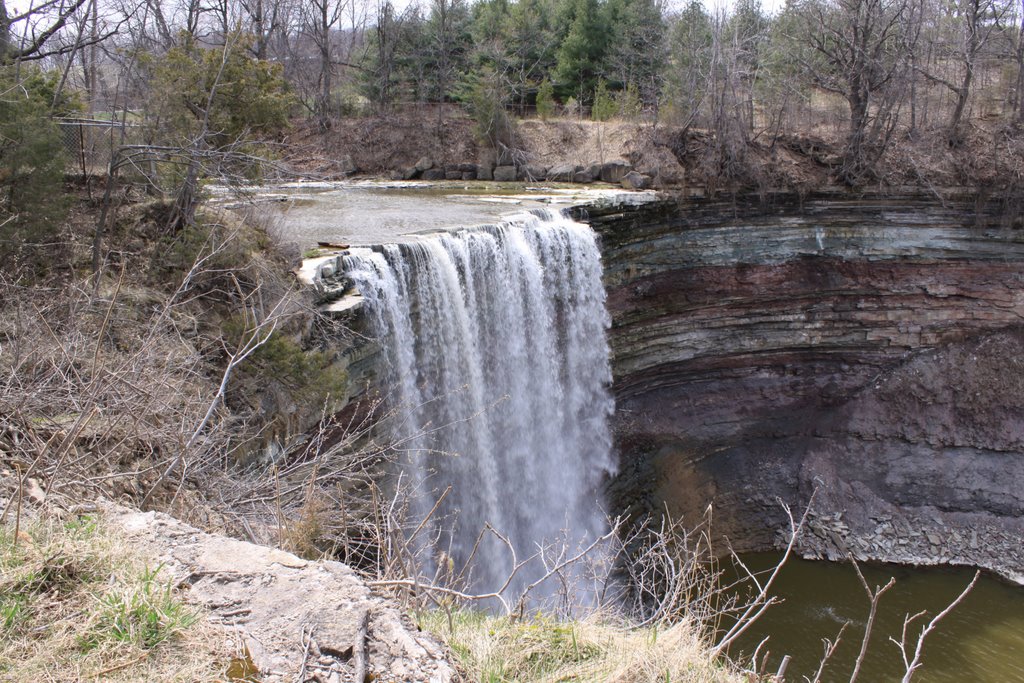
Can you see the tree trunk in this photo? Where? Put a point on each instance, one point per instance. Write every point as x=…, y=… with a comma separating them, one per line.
x=324, y=106
x=5, y=32
x=1020, y=68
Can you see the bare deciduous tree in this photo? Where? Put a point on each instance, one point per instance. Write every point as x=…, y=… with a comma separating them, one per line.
x=860, y=48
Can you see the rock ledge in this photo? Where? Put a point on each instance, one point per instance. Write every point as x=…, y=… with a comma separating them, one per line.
x=299, y=620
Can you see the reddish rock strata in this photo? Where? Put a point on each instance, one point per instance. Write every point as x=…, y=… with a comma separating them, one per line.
x=867, y=348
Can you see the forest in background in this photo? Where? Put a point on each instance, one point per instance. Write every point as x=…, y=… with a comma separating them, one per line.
x=871, y=70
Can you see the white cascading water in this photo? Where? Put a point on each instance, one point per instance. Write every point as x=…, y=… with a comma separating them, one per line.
x=495, y=340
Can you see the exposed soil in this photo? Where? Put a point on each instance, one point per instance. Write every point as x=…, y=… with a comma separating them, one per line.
x=990, y=157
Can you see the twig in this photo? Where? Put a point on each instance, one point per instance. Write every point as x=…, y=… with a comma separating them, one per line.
x=914, y=663
x=874, y=597
x=830, y=648
x=118, y=667
x=359, y=661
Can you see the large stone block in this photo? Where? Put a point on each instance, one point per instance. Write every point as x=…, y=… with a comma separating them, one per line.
x=614, y=171
x=505, y=174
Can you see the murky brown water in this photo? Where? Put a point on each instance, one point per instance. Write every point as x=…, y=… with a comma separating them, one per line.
x=982, y=641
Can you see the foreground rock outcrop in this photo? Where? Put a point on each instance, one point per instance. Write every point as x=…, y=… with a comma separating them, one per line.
x=866, y=348
x=297, y=620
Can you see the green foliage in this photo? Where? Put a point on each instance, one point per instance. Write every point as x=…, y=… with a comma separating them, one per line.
x=546, y=105
x=690, y=42
x=309, y=376
x=605, y=106
x=581, y=53
x=446, y=46
x=222, y=93
x=628, y=102
x=32, y=205
x=527, y=45
x=636, y=52
x=487, y=95
x=144, y=613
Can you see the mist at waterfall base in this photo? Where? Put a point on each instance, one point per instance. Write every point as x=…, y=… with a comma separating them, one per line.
x=497, y=366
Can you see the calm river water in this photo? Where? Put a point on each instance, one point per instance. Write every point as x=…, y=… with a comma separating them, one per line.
x=981, y=641
x=369, y=212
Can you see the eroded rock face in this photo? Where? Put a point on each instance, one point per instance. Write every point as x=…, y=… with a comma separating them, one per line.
x=869, y=349
x=297, y=620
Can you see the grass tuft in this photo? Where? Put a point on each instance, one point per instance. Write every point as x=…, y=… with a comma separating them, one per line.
x=496, y=649
x=142, y=612
x=77, y=604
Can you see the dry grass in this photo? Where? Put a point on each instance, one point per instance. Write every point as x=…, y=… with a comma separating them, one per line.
x=77, y=604
x=497, y=649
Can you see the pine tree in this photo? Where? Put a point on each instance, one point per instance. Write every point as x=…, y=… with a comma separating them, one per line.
x=545, y=100
x=581, y=54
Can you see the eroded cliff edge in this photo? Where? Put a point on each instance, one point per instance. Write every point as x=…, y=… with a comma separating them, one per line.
x=867, y=347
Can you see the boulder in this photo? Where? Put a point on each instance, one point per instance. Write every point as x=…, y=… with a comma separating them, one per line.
x=469, y=175
x=424, y=164
x=346, y=165
x=505, y=174
x=636, y=181
x=484, y=172
x=467, y=168
x=404, y=173
x=614, y=171
x=587, y=174
x=433, y=174
x=453, y=174
x=533, y=172
x=563, y=173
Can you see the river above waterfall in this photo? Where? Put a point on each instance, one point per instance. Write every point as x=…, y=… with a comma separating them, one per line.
x=981, y=640
x=373, y=212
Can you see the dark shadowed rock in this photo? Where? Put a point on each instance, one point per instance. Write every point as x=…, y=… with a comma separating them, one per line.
x=533, y=172
x=346, y=165
x=484, y=172
x=505, y=174
x=636, y=181
x=868, y=348
x=562, y=173
x=453, y=174
x=614, y=171
x=433, y=174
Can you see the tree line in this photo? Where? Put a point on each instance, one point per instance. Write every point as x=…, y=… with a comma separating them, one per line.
x=871, y=68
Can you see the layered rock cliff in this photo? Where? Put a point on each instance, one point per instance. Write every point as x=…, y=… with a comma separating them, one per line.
x=866, y=348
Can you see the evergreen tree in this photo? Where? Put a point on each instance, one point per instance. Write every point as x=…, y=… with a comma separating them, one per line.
x=581, y=54
x=690, y=54
x=448, y=42
x=545, y=100
x=637, y=47
x=31, y=163
x=529, y=39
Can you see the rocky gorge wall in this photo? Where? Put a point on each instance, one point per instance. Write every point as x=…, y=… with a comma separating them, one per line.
x=868, y=349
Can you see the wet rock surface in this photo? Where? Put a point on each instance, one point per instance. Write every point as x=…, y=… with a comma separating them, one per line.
x=297, y=620
x=866, y=348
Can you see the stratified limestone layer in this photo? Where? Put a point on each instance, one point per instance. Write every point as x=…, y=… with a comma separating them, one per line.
x=869, y=348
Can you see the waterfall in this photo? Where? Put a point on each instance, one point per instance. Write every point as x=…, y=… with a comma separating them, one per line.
x=497, y=363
